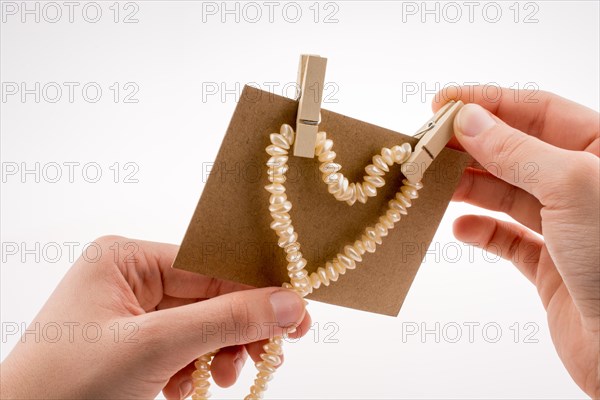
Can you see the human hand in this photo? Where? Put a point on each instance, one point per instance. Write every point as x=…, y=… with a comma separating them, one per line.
x=154, y=321
x=539, y=164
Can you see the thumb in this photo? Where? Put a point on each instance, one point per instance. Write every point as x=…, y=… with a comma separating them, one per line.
x=179, y=335
x=511, y=155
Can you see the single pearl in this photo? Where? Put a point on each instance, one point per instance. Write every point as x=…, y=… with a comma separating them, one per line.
x=416, y=185
x=393, y=215
x=297, y=265
x=297, y=275
x=260, y=385
x=376, y=181
x=346, y=261
x=272, y=359
x=277, y=178
x=292, y=247
x=284, y=241
x=276, y=161
x=287, y=132
x=351, y=252
x=387, y=156
x=285, y=232
x=279, y=140
x=379, y=163
x=373, y=235
x=395, y=205
x=324, y=147
x=315, y=281
x=368, y=243
x=369, y=189
x=360, y=194
x=327, y=157
x=338, y=267
x=330, y=168
x=272, y=348
x=382, y=231
x=279, y=170
x=385, y=221
x=359, y=247
x=276, y=225
x=407, y=148
x=332, y=274
x=321, y=137
x=409, y=192
x=275, y=188
x=281, y=216
x=283, y=207
x=274, y=150
x=344, y=183
x=293, y=257
x=277, y=198
x=373, y=170
x=402, y=199
x=323, y=276
x=400, y=154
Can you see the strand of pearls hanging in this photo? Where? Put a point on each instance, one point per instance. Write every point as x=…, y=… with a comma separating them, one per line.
x=279, y=207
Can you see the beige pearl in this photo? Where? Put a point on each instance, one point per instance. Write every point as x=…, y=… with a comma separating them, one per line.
x=352, y=253
x=277, y=178
x=376, y=181
x=324, y=147
x=281, y=216
x=293, y=257
x=327, y=156
x=385, y=221
x=402, y=199
x=284, y=241
x=263, y=366
x=416, y=185
x=279, y=170
x=315, y=281
x=338, y=267
x=330, y=168
x=373, y=235
x=271, y=359
x=379, y=163
x=275, y=188
x=276, y=225
x=274, y=150
x=285, y=232
x=359, y=247
x=382, y=231
x=409, y=192
x=287, y=132
x=277, y=198
x=400, y=154
x=323, y=276
x=332, y=274
x=321, y=137
x=373, y=170
x=368, y=243
x=292, y=247
x=346, y=261
x=276, y=161
x=386, y=154
x=297, y=265
x=395, y=205
x=360, y=194
x=369, y=189
x=297, y=275
x=283, y=207
x=279, y=140
x=393, y=215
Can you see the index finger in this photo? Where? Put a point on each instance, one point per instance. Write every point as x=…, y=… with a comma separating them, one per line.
x=551, y=118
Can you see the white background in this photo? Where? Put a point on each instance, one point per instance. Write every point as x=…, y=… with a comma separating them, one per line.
x=376, y=53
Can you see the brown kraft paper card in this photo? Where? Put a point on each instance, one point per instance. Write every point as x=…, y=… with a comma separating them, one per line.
x=229, y=235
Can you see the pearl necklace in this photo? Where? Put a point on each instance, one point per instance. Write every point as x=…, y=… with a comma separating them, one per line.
x=301, y=281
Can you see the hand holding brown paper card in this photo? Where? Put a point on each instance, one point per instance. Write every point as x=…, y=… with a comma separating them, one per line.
x=229, y=235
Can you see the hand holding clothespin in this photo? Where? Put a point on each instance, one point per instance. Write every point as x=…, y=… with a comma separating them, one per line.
x=311, y=78
x=434, y=136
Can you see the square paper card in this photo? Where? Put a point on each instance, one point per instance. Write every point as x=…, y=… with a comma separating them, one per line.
x=229, y=236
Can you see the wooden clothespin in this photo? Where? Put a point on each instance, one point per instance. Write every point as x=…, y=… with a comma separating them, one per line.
x=311, y=78
x=434, y=136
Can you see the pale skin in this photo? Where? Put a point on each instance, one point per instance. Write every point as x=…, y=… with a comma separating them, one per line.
x=180, y=315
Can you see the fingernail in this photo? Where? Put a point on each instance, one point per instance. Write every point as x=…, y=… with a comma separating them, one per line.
x=473, y=119
x=185, y=389
x=287, y=307
x=239, y=364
